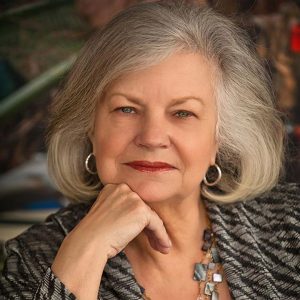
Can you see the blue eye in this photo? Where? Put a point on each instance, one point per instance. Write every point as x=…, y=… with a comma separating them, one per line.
x=126, y=109
x=184, y=114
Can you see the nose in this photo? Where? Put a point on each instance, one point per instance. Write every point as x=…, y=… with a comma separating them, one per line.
x=153, y=133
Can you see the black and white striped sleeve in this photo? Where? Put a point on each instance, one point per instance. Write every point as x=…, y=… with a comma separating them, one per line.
x=27, y=270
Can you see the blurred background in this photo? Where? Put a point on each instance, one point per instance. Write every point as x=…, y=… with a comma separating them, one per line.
x=39, y=41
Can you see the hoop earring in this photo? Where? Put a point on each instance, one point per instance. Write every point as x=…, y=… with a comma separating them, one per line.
x=218, y=178
x=87, y=164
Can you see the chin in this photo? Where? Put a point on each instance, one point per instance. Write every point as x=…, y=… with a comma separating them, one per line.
x=151, y=191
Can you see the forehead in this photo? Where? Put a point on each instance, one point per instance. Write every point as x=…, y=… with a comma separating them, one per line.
x=180, y=75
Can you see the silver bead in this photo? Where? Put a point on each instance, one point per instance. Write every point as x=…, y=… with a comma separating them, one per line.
x=211, y=266
x=214, y=295
x=209, y=288
x=200, y=272
x=215, y=255
x=217, y=277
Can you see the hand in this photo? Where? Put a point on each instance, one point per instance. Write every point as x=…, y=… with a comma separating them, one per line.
x=117, y=217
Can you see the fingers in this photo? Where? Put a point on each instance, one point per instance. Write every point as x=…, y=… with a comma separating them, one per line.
x=157, y=234
x=107, y=191
x=155, y=244
x=122, y=200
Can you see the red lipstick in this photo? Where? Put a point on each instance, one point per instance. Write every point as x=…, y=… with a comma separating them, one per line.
x=147, y=166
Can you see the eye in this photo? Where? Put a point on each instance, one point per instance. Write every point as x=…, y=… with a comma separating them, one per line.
x=126, y=109
x=183, y=114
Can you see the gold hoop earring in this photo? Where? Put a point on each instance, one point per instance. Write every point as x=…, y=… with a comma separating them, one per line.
x=87, y=164
x=218, y=178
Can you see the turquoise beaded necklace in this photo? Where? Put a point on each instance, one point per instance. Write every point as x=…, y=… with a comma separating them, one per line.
x=208, y=272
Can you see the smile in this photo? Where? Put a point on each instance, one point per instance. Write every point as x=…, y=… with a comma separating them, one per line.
x=146, y=166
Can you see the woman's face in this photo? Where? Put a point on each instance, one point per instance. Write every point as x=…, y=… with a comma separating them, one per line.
x=165, y=113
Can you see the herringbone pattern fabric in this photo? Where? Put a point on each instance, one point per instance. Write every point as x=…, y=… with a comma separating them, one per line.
x=258, y=242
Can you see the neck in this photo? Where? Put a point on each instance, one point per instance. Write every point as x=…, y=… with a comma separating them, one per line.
x=185, y=221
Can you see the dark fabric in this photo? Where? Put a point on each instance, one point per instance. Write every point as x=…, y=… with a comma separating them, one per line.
x=258, y=242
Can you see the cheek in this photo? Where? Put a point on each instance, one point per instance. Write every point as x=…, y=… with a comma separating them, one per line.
x=110, y=137
x=106, y=152
x=110, y=146
x=197, y=152
x=201, y=136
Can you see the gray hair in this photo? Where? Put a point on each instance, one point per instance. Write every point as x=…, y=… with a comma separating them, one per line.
x=249, y=131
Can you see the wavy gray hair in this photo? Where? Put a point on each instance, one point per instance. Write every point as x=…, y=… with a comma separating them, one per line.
x=249, y=131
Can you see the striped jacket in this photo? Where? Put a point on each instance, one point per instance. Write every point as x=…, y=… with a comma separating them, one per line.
x=258, y=243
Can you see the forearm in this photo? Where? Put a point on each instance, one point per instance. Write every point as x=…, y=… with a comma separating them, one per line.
x=81, y=273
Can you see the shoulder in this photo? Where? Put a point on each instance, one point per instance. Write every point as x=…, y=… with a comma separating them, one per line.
x=284, y=197
x=62, y=221
x=273, y=222
x=268, y=224
x=280, y=205
x=274, y=213
x=26, y=270
x=68, y=217
x=283, y=194
x=260, y=238
x=43, y=240
x=274, y=218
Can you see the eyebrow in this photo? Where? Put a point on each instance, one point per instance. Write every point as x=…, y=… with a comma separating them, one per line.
x=175, y=101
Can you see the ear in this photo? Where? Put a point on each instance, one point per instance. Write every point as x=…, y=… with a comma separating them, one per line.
x=215, y=146
x=92, y=140
x=214, y=154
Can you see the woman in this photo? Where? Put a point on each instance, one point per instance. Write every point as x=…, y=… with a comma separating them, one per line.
x=162, y=96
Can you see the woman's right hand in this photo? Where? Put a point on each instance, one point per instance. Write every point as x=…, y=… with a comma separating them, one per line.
x=117, y=216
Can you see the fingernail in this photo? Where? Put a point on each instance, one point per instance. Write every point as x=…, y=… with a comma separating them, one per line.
x=168, y=245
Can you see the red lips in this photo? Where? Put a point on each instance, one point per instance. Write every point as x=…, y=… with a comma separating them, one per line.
x=147, y=166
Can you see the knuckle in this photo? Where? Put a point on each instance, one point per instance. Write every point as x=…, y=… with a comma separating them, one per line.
x=134, y=195
x=96, y=202
x=123, y=187
x=144, y=220
x=157, y=219
x=108, y=186
x=140, y=208
x=144, y=217
x=160, y=222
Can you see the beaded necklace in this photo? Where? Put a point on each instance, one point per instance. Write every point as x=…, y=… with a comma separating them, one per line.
x=208, y=272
